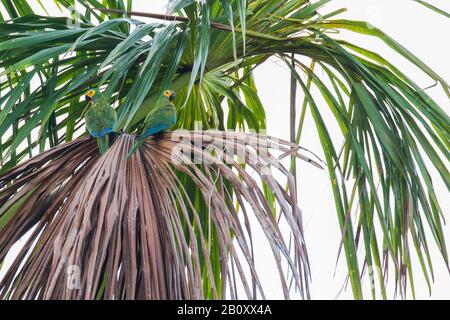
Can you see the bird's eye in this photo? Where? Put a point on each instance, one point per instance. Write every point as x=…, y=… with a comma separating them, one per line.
x=167, y=93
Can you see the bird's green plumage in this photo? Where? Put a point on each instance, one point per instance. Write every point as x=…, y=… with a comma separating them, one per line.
x=100, y=120
x=163, y=115
x=160, y=118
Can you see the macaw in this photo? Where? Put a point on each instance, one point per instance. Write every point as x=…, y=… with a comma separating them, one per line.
x=100, y=118
x=161, y=117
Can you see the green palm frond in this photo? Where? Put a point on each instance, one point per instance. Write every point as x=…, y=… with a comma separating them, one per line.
x=434, y=8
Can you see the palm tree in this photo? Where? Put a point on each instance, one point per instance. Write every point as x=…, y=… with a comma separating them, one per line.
x=158, y=226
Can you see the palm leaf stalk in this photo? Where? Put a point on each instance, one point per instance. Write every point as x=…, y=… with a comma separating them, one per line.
x=394, y=133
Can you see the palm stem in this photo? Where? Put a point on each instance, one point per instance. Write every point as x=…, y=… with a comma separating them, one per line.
x=165, y=17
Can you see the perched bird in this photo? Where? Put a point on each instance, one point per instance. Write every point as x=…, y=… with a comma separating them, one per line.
x=100, y=118
x=161, y=117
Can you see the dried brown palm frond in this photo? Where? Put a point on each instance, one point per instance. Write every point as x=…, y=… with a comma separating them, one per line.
x=114, y=227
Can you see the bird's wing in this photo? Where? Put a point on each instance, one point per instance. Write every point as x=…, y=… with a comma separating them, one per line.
x=109, y=117
x=160, y=120
x=159, y=104
x=105, y=114
x=91, y=120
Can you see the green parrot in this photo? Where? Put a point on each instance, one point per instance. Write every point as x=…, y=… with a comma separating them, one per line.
x=100, y=118
x=161, y=117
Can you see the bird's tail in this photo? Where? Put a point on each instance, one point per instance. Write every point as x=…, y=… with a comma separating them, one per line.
x=136, y=145
x=103, y=144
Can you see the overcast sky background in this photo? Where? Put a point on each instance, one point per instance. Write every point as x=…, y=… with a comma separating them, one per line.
x=423, y=32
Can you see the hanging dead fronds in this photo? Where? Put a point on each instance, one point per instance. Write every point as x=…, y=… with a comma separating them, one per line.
x=114, y=227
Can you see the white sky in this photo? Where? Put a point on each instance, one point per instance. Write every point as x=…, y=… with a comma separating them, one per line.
x=424, y=33
x=420, y=30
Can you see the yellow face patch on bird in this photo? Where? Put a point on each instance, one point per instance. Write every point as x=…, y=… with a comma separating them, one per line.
x=90, y=94
x=170, y=94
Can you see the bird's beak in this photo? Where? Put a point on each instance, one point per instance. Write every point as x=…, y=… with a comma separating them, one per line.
x=173, y=96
